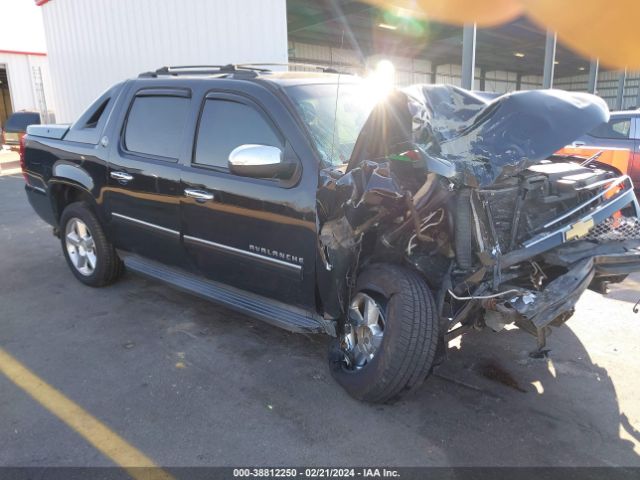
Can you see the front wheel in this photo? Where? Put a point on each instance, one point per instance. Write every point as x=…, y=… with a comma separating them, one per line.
x=90, y=256
x=390, y=336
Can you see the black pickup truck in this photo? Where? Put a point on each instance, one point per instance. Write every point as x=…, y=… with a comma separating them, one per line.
x=391, y=223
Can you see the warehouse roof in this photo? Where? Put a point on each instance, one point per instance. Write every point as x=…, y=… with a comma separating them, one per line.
x=517, y=46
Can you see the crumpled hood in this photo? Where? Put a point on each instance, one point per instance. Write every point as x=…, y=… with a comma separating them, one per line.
x=472, y=140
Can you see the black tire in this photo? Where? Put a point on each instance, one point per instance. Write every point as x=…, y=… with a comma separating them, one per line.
x=108, y=266
x=464, y=230
x=406, y=354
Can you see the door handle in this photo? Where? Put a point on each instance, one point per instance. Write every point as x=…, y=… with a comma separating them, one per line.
x=199, y=195
x=121, y=176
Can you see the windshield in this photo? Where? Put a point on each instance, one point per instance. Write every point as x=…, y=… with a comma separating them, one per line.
x=334, y=123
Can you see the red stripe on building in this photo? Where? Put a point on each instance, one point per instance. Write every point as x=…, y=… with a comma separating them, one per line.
x=41, y=2
x=17, y=52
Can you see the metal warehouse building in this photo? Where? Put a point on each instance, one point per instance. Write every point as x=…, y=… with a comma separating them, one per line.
x=25, y=83
x=95, y=43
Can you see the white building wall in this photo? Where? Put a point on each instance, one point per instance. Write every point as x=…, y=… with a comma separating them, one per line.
x=93, y=44
x=19, y=76
x=22, y=86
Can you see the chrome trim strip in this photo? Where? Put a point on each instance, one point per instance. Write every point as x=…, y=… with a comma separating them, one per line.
x=243, y=252
x=614, y=184
x=39, y=189
x=147, y=224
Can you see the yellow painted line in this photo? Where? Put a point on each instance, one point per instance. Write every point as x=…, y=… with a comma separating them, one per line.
x=90, y=428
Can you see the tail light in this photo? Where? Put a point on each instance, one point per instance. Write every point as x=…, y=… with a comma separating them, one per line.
x=23, y=166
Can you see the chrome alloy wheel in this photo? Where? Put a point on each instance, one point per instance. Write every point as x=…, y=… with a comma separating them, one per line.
x=364, y=331
x=80, y=246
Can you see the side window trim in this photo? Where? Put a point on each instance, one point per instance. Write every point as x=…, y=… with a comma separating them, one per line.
x=635, y=128
x=162, y=92
x=150, y=92
x=243, y=100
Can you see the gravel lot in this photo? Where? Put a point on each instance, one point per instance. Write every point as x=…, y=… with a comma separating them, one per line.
x=190, y=383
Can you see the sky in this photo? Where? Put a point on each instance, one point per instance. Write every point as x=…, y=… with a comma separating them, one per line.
x=21, y=26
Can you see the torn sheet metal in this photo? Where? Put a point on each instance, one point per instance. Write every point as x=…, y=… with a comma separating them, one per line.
x=359, y=193
x=398, y=201
x=559, y=297
x=483, y=140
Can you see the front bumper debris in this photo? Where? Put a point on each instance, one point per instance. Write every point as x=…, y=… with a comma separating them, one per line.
x=534, y=311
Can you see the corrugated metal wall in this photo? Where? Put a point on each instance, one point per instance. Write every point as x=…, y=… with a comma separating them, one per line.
x=607, y=87
x=408, y=70
x=25, y=88
x=93, y=44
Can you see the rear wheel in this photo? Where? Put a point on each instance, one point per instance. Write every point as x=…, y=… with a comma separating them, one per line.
x=90, y=256
x=390, y=336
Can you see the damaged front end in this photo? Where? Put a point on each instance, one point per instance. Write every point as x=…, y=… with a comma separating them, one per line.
x=470, y=194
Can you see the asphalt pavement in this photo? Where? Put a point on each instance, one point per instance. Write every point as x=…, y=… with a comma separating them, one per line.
x=190, y=383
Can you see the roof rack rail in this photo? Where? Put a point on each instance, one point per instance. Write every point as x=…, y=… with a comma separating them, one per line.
x=247, y=70
x=322, y=68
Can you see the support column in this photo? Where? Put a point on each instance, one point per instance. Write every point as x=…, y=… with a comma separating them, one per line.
x=483, y=79
x=620, y=95
x=434, y=73
x=468, y=55
x=549, y=59
x=593, y=75
x=518, y=81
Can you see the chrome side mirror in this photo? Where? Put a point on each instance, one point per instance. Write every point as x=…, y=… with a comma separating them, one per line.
x=259, y=161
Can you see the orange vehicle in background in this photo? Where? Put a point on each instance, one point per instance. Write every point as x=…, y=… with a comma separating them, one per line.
x=619, y=142
x=619, y=158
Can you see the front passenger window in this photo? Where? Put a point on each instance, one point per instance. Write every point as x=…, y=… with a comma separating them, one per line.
x=225, y=125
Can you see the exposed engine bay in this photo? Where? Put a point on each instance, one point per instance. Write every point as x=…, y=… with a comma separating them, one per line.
x=469, y=193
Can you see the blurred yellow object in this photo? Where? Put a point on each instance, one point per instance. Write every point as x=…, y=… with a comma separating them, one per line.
x=594, y=28
x=603, y=29
x=486, y=13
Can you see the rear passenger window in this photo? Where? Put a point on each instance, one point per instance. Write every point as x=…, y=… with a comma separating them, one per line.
x=225, y=125
x=155, y=125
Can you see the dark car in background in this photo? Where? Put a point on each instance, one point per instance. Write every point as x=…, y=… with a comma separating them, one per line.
x=621, y=131
x=16, y=127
